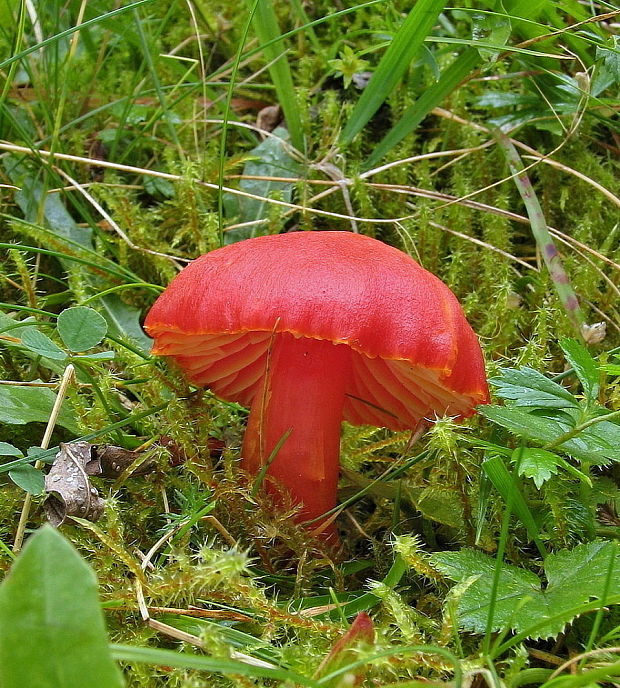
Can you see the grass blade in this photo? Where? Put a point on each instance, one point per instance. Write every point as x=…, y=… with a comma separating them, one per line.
x=430, y=98
x=185, y=660
x=504, y=483
x=393, y=64
x=269, y=35
x=71, y=30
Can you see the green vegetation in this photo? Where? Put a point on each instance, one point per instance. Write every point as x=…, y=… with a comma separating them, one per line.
x=482, y=140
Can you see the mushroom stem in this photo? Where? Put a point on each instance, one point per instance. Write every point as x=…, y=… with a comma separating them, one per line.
x=303, y=391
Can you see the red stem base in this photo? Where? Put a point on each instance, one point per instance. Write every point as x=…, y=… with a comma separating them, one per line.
x=303, y=390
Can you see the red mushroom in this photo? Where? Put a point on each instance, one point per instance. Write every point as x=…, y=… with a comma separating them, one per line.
x=310, y=328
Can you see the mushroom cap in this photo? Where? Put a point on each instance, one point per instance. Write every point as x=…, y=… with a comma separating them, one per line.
x=414, y=355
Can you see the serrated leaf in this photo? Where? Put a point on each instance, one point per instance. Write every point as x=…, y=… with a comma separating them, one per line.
x=574, y=577
x=524, y=424
x=19, y=405
x=599, y=443
x=52, y=631
x=41, y=344
x=28, y=478
x=7, y=449
x=81, y=328
x=527, y=387
x=538, y=464
x=585, y=367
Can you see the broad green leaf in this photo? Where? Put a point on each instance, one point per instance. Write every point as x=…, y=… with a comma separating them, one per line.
x=406, y=43
x=41, y=344
x=28, y=478
x=124, y=321
x=52, y=631
x=81, y=328
x=538, y=464
x=269, y=159
x=573, y=577
x=157, y=187
x=527, y=387
x=585, y=367
x=438, y=503
x=599, y=443
x=33, y=197
x=491, y=28
x=607, y=71
x=524, y=424
x=19, y=405
x=7, y=449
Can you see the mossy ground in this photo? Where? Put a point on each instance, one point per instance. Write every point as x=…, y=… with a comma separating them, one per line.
x=136, y=91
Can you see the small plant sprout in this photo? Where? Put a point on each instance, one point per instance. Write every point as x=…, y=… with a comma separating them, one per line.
x=311, y=328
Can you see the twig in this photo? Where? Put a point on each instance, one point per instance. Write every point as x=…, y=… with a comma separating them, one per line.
x=45, y=443
x=106, y=216
x=194, y=640
x=10, y=147
x=583, y=655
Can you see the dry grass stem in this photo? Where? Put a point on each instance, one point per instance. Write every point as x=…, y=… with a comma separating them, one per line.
x=45, y=443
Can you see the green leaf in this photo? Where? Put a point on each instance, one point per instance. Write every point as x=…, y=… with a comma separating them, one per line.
x=34, y=199
x=585, y=367
x=124, y=321
x=52, y=631
x=399, y=55
x=537, y=464
x=158, y=187
x=81, y=328
x=599, y=443
x=19, y=405
x=607, y=72
x=29, y=479
x=524, y=424
x=271, y=159
x=574, y=577
x=527, y=387
x=41, y=344
x=7, y=449
x=491, y=28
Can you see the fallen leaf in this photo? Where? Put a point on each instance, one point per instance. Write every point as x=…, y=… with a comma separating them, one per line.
x=68, y=484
